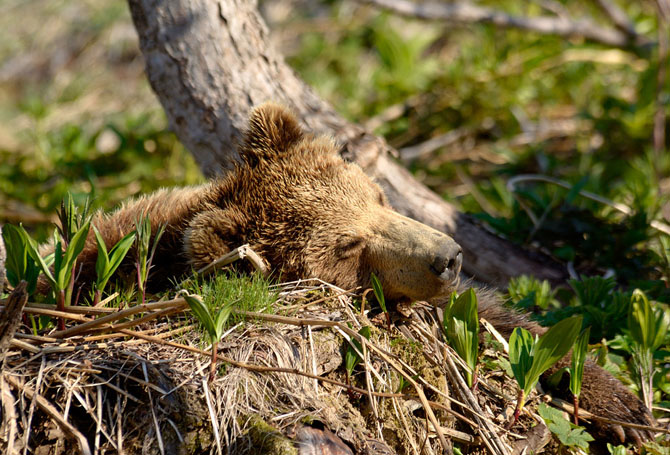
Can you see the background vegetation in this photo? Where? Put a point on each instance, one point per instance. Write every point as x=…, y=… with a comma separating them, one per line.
x=77, y=115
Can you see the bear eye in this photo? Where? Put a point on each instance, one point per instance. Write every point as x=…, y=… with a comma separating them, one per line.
x=348, y=246
x=352, y=244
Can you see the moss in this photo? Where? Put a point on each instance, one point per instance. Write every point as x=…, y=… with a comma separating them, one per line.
x=266, y=439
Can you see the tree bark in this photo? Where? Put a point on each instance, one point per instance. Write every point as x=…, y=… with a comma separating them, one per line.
x=211, y=62
x=3, y=257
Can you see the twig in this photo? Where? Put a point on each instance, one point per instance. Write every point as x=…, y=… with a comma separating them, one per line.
x=414, y=152
x=468, y=13
x=9, y=416
x=159, y=436
x=10, y=317
x=265, y=369
x=618, y=17
x=142, y=308
x=586, y=415
x=489, y=436
x=51, y=411
x=31, y=409
x=212, y=413
x=243, y=252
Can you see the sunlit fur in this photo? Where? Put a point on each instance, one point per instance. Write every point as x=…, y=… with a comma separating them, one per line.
x=300, y=206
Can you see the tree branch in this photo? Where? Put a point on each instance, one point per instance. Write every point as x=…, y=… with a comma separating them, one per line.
x=467, y=13
x=211, y=62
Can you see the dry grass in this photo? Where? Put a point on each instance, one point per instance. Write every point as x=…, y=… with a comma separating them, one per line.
x=136, y=380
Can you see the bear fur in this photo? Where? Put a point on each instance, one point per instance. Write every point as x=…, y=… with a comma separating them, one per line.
x=309, y=214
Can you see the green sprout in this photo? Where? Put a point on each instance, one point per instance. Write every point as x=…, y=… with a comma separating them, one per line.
x=69, y=241
x=19, y=264
x=72, y=220
x=577, y=369
x=648, y=327
x=145, y=252
x=108, y=262
x=352, y=357
x=461, y=326
x=379, y=294
x=214, y=324
x=531, y=356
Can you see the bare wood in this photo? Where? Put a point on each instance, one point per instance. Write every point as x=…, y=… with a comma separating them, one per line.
x=3, y=257
x=210, y=63
x=10, y=316
x=468, y=13
x=242, y=252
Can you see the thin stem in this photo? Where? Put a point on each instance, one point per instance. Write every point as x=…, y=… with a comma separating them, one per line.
x=60, y=303
x=575, y=403
x=140, y=284
x=212, y=366
x=520, y=399
x=70, y=285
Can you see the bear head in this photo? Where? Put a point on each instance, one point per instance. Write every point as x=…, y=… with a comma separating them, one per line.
x=311, y=214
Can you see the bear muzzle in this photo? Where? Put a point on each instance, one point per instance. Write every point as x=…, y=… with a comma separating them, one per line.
x=448, y=262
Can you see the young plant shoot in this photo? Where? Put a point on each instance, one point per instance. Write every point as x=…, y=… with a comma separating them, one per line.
x=20, y=265
x=145, y=252
x=648, y=327
x=461, y=326
x=69, y=241
x=107, y=262
x=213, y=324
x=577, y=369
x=352, y=357
x=530, y=357
x=379, y=294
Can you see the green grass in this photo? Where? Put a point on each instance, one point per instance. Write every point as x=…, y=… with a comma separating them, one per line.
x=251, y=293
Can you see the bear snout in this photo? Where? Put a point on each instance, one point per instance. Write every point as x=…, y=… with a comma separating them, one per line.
x=447, y=264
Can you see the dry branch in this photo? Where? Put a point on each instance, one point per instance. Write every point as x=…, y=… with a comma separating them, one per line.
x=52, y=412
x=10, y=316
x=468, y=13
x=3, y=257
x=210, y=63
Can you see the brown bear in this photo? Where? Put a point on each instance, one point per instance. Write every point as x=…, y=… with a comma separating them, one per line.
x=311, y=214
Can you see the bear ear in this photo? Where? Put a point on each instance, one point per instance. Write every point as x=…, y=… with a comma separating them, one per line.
x=273, y=129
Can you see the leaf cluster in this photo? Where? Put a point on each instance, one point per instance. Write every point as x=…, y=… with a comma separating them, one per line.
x=461, y=326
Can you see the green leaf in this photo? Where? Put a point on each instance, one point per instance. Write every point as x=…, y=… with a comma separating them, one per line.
x=379, y=293
x=521, y=344
x=617, y=450
x=102, y=262
x=351, y=358
x=576, y=188
x=202, y=313
x=114, y=258
x=551, y=347
x=462, y=329
x=647, y=327
x=568, y=434
x=74, y=248
x=34, y=252
x=221, y=318
x=578, y=359
x=19, y=264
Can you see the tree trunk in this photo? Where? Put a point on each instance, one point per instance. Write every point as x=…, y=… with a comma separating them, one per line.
x=3, y=257
x=211, y=62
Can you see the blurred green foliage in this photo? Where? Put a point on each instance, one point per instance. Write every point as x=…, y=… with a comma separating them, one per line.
x=521, y=103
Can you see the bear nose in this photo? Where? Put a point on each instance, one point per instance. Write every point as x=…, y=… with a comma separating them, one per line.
x=448, y=263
